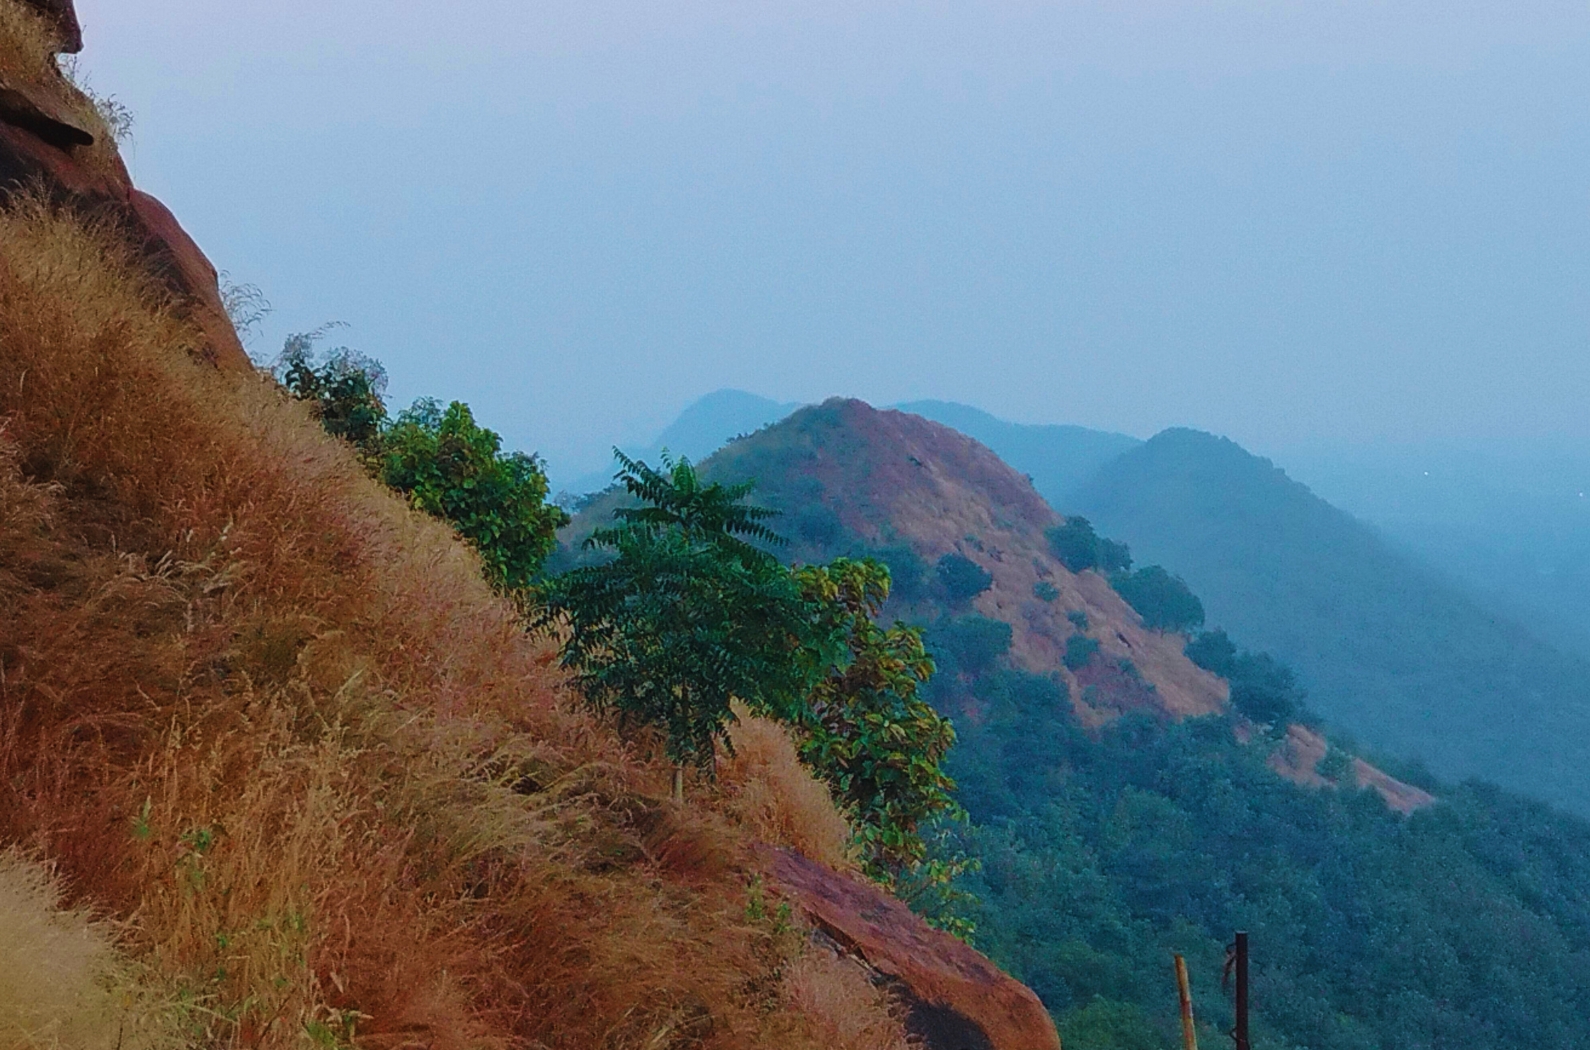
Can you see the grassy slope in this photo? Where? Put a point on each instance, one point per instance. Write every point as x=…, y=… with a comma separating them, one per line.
x=1388, y=649
x=256, y=708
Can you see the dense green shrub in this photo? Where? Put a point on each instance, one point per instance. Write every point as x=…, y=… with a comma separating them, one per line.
x=1080, y=548
x=446, y=463
x=1079, y=651
x=1045, y=591
x=1163, y=601
x=1078, y=618
x=961, y=579
x=450, y=466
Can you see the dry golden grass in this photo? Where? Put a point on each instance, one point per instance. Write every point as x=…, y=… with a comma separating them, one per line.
x=60, y=978
x=769, y=791
x=27, y=44
x=848, y=1011
x=275, y=722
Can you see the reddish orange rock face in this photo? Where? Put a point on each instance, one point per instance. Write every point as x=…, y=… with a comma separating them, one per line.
x=42, y=148
x=958, y=999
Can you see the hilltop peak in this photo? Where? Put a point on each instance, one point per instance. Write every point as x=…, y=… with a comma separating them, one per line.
x=854, y=479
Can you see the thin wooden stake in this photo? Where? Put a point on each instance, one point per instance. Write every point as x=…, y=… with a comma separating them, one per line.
x=1189, y=1034
x=1241, y=1034
x=679, y=783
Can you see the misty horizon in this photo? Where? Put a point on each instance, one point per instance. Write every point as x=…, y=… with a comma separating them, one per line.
x=1328, y=226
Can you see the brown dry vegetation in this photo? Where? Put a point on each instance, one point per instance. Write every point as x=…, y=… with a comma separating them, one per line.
x=27, y=44
x=274, y=722
x=768, y=791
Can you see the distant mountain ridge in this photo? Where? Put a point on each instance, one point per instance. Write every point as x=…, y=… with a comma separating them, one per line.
x=1403, y=658
x=845, y=473
x=706, y=425
x=1058, y=457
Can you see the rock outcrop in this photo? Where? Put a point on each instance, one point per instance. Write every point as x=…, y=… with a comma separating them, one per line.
x=63, y=16
x=44, y=146
x=955, y=997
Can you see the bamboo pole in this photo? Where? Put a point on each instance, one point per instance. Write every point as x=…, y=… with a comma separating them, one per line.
x=1189, y=1034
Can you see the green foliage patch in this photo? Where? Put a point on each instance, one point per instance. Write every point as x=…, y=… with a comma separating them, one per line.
x=1080, y=650
x=1463, y=926
x=1080, y=548
x=441, y=459
x=961, y=579
x=1163, y=600
x=686, y=616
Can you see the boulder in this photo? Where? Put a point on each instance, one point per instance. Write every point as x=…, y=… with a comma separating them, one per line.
x=956, y=999
x=42, y=149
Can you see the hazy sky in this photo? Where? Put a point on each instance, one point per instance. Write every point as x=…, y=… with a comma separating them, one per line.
x=1290, y=222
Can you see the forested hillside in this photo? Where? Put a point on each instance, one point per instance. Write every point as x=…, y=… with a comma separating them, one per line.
x=1388, y=650
x=1119, y=813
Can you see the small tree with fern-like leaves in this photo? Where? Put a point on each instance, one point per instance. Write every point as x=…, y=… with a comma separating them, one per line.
x=690, y=613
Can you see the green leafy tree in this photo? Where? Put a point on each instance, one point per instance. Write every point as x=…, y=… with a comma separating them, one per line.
x=1164, y=601
x=450, y=466
x=1264, y=689
x=1079, y=651
x=687, y=614
x=1214, y=651
x=879, y=746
